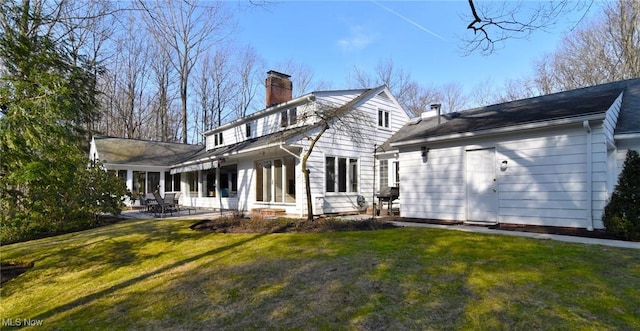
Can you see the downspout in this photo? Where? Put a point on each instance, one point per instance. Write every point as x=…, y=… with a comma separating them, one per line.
x=589, y=175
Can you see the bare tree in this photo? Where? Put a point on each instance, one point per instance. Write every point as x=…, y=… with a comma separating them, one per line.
x=385, y=73
x=302, y=77
x=604, y=49
x=453, y=98
x=341, y=120
x=492, y=23
x=163, y=80
x=417, y=98
x=188, y=29
x=249, y=71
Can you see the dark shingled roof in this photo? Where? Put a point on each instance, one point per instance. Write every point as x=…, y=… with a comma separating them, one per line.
x=114, y=150
x=580, y=102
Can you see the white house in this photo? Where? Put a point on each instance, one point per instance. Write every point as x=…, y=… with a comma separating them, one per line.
x=255, y=162
x=551, y=160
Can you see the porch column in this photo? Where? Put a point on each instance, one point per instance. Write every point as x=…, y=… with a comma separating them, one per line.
x=218, y=190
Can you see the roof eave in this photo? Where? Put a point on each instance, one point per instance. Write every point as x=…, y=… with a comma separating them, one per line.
x=307, y=98
x=502, y=130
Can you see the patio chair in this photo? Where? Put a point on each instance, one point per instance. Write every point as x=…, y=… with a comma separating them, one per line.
x=163, y=207
x=148, y=201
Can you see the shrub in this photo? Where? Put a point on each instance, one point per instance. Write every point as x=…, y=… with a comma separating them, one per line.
x=622, y=214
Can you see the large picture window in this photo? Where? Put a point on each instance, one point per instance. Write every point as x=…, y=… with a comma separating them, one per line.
x=276, y=180
x=341, y=174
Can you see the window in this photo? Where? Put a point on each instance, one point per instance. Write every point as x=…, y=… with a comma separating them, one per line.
x=122, y=175
x=293, y=116
x=384, y=173
x=176, y=182
x=139, y=184
x=217, y=139
x=171, y=182
x=168, y=181
x=248, y=130
x=288, y=117
x=383, y=118
x=153, y=181
x=396, y=173
x=330, y=173
x=341, y=174
x=353, y=174
x=209, y=179
x=276, y=180
x=192, y=181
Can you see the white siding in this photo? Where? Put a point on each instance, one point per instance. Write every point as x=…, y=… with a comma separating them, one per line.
x=339, y=143
x=545, y=182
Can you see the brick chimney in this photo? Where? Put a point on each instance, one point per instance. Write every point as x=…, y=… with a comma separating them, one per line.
x=279, y=88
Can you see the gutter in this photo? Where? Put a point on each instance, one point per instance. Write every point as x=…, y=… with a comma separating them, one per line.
x=508, y=129
x=626, y=136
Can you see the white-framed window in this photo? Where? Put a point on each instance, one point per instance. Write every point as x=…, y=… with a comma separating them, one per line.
x=396, y=173
x=275, y=180
x=384, y=173
x=288, y=117
x=341, y=174
x=384, y=119
x=217, y=139
x=247, y=129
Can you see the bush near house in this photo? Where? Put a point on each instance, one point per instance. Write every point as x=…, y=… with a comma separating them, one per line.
x=70, y=200
x=622, y=214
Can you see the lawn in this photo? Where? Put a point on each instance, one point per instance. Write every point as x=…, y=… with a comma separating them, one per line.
x=158, y=274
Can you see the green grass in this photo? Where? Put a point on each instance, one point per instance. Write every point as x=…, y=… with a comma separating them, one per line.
x=158, y=274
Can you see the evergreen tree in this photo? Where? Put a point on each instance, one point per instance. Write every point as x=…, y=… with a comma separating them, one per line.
x=46, y=98
x=622, y=214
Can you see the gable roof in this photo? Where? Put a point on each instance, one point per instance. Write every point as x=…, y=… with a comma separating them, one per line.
x=113, y=150
x=589, y=101
x=276, y=138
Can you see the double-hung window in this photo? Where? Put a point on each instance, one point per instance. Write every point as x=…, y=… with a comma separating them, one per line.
x=247, y=128
x=217, y=139
x=383, y=119
x=341, y=174
x=288, y=117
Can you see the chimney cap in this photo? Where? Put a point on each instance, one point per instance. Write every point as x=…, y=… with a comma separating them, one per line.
x=277, y=74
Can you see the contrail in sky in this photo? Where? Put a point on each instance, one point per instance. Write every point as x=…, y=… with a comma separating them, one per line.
x=409, y=20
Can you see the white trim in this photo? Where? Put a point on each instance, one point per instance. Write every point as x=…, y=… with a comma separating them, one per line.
x=622, y=136
x=507, y=129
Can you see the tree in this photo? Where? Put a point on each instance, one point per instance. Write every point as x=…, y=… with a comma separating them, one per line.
x=341, y=120
x=493, y=23
x=188, y=29
x=622, y=214
x=48, y=98
x=603, y=50
x=249, y=70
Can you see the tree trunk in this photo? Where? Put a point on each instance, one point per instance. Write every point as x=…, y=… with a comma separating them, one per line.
x=306, y=172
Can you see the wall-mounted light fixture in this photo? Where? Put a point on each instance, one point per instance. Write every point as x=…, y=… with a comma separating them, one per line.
x=503, y=165
x=424, y=151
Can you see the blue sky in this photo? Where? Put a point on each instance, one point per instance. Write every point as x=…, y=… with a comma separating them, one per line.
x=421, y=37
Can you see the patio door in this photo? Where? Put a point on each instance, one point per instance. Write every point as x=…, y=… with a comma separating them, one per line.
x=482, y=197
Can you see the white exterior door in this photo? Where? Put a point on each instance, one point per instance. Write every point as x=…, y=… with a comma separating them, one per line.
x=481, y=185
